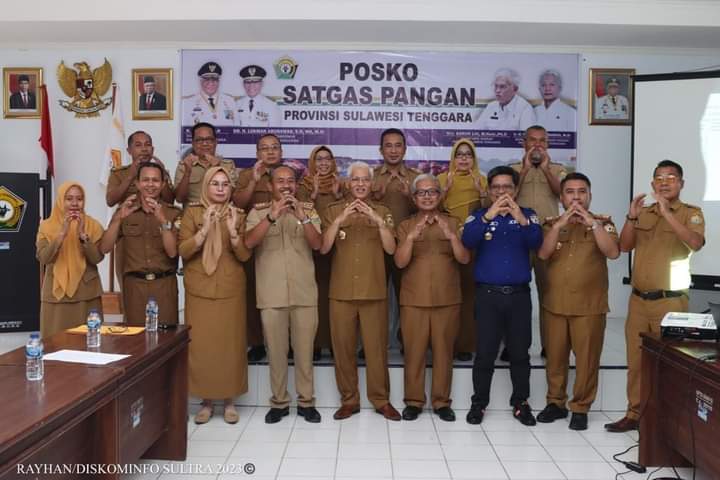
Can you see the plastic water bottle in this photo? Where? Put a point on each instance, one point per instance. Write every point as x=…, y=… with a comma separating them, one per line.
x=34, y=368
x=93, y=329
x=152, y=312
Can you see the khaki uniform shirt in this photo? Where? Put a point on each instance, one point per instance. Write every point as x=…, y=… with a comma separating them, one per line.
x=401, y=206
x=661, y=261
x=119, y=174
x=228, y=280
x=89, y=286
x=143, y=249
x=432, y=278
x=535, y=192
x=576, y=273
x=284, y=267
x=263, y=188
x=358, y=264
x=196, y=177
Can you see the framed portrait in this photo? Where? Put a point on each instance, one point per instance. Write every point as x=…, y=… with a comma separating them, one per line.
x=152, y=93
x=21, y=92
x=611, y=96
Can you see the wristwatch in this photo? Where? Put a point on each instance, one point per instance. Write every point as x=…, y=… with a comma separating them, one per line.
x=595, y=224
x=167, y=226
x=270, y=219
x=306, y=221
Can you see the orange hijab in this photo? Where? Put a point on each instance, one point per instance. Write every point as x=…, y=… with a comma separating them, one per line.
x=213, y=246
x=463, y=190
x=70, y=263
x=326, y=181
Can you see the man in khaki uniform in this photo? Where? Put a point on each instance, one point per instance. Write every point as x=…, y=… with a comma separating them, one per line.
x=362, y=233
x=575, y=249
x=430, y=252
x=391, y=187
x=663, y=235
x=540, y=190
x=148, y=229
x=255, y=188
x=191, y=169
x=284, y=234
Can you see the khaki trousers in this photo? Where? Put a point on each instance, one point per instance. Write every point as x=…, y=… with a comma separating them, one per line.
x=644, y=316
x=436, y=327
x=584, y=335
x=371, y=317
x=281, y=326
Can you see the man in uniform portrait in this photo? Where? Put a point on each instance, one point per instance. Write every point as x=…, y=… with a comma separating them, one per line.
x=256, y=109
x=210, y=104
x=612, y=106
x=662, y=236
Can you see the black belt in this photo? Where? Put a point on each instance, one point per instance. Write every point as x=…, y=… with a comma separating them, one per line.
x=505, y=289
x=151, y=275
x=658, y=294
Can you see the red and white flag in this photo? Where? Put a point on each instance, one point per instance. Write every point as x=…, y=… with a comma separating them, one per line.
x=45, y=139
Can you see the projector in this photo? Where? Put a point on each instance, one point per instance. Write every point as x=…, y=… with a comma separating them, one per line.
x=695, y=326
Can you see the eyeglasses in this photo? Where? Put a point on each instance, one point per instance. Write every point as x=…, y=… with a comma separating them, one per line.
x=360, y=179
x=204, y=140
x=665, y=178
x=220, y=185
x=323, y=159
x=269, y=148
x=463, y=154
x=502, y=188
x=430, y=192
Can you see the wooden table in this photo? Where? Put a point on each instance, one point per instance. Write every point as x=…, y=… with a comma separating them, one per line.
x=680, y=424
x=80, y=414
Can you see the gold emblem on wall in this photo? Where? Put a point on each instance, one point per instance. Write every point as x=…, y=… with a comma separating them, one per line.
x=85, y=88
x=12, y=210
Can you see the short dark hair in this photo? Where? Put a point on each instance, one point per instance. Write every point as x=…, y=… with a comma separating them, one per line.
x=391, y=131
x=533, y=127
x=203, y=125
x=264, y=135
x=671, y=164
x=504, y=170
x=575, y=176
x=283, y=165
x=150, y=165
x=137, y=132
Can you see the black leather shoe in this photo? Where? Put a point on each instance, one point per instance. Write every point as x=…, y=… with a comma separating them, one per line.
x=274, y=415
x=552, y=412
x=256, y=353
x=523, y=413
x=445, y=413
x=317, y=355
x=625, y=424
x=310, y=413
x=475, y=415
x=505, y=355
x=578, y=421
x=411, y=413
x=463, y=356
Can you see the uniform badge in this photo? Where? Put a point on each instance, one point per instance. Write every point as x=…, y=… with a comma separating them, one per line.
x=696, y=219
x=534, y=219
x=469, y=219
x=558, y=246
x=178, y=222
x=610, y=228
x=341, y=234
x=389, y=220
x=488, y=236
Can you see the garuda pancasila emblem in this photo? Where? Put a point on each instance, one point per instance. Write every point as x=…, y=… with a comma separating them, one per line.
x=85, y=88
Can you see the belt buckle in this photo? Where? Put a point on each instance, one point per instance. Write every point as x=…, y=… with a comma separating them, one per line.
x=149, y=276
x=505, y=290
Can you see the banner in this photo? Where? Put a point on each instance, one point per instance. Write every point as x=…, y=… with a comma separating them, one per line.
x=345, y=99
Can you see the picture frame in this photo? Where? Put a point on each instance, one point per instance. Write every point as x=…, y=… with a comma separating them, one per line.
x=610, y=94
x=152, y=93
x=21, y=92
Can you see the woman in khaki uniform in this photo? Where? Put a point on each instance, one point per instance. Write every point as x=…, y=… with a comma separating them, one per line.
x=67, y=246
x=465, y=190
x=321, y=186
x=212, y=247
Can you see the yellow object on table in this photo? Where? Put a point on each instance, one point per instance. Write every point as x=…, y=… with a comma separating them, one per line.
x=109, y=330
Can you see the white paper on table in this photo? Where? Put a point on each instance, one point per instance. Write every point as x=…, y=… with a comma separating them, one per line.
x=81, y=356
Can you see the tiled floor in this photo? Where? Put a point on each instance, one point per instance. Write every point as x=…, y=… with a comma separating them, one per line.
x=366, y=446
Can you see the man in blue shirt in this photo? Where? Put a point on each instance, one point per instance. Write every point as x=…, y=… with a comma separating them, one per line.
x=503, y=236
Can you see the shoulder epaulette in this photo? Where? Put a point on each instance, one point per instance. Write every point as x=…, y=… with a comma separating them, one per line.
x=689, y=205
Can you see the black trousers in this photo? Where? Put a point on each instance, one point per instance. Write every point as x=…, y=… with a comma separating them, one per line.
x=499, y=316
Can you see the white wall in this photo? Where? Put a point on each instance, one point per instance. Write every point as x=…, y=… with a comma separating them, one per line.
x=603, y=151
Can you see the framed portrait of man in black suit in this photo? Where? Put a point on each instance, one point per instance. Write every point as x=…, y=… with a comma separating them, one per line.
x=152, y=94
x=21, y=92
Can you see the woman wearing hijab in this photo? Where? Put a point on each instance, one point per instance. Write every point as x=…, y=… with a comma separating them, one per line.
x=211, y=243
x=67, y=246
x=465, y=190
x=321, y=186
